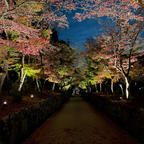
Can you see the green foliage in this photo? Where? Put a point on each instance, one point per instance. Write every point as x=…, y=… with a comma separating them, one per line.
x=67, y=87
x=12, y=35
x=63, y=71
x=16, y=67
x=46, y=33
x=8, y=56
x=12, y=53
x=83, y=84
x=31, y=71
x=92, y=81
x=33, y=6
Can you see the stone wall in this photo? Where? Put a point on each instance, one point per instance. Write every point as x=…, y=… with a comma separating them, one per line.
x=17, y=126
x=127, y=116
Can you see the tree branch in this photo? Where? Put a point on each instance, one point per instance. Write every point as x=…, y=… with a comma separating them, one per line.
x=131, y=50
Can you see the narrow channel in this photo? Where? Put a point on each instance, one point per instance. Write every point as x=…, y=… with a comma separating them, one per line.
x=77, y=122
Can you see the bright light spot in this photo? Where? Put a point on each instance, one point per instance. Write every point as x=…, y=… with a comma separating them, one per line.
x=120, y=97
x=32, y=96
x=5, y=102
x=139, y=88
x=135, y=83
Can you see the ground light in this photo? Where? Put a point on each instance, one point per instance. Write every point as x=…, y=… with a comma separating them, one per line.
x=4, y=104
x=121, y=98
x=31, y=96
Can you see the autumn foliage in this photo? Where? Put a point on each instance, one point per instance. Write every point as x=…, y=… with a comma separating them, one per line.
x=25, y=25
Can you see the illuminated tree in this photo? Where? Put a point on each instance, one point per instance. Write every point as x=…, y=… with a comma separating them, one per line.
x=101, y=69
x=120, y=45
x=61, y=63
x=8, y=57
x=32, y=20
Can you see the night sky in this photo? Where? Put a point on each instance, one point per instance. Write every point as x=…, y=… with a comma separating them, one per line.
x=78, y=32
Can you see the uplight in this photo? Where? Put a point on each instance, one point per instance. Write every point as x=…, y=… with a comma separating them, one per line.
x=32, y=96
x=5, y=103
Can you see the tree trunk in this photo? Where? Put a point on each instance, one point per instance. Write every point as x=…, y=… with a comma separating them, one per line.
x=96, y=88
x=100, y=87
x=127, y=87
x=53, y=87
x=121, y=87
x=89, y=88
x=112, y=90
x=22, y=77
x=42, y=87
x=22, y=82
x=37, y=83
x=3, y=76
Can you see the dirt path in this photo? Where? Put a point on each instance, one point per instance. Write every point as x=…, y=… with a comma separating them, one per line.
x=79, y=123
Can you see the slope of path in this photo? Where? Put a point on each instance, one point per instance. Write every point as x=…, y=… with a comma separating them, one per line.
x=77, y=122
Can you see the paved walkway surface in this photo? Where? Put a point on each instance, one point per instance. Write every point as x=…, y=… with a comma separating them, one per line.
x=77, y=122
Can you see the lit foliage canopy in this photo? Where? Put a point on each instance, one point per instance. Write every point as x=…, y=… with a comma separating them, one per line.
x=25, y=26
x=17, y=15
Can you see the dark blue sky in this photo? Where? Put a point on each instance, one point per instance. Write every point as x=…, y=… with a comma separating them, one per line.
x=78, y=32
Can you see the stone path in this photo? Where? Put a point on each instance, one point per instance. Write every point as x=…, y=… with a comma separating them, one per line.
x=77, y=122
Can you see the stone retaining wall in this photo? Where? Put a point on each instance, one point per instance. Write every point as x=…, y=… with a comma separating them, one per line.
x=127, y=116
x=17, y=126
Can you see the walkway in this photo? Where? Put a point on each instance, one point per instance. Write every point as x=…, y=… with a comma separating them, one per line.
x=77, y=122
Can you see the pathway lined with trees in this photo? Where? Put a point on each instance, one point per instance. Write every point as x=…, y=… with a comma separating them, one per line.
x=34, y=63
x=77, y=122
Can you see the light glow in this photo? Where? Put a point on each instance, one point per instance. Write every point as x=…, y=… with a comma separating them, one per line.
x=32, y=96
x=5, y=102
